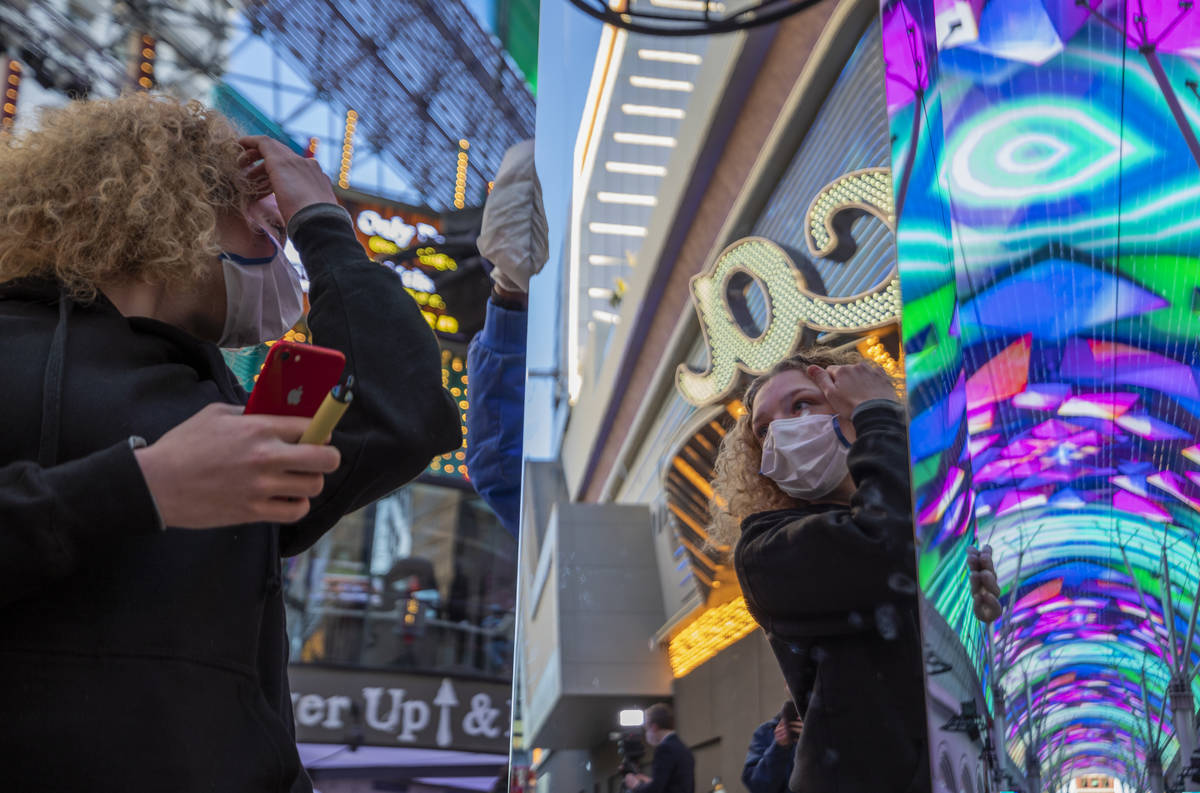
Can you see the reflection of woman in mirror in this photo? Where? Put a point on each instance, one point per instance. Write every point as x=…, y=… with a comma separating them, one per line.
x=812, y=488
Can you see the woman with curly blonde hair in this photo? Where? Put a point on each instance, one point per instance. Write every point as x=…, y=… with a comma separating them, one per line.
x=142, y=631
x=813, y=492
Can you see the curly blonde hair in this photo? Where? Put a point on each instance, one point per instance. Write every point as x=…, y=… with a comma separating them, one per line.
x=118, y=191
x=739, y=490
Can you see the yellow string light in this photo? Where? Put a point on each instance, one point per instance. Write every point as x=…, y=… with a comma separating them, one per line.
x=872, y=349
x=347, y=149
x=460, y=177
x=147, y=57
x=710, y=633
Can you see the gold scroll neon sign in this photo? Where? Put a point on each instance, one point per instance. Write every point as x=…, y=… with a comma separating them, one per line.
x=791, y=306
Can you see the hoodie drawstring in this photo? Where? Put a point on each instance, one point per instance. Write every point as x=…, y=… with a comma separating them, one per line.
x=52, y=387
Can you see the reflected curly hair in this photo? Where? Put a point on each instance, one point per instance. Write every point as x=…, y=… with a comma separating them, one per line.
x=739, y=490
x=118, y=191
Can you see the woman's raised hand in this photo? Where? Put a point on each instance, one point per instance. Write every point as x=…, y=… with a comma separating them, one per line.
x=985, y=589
x=847, y=387
x=296, y=181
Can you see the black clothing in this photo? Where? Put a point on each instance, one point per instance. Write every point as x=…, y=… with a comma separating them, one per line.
x=137, y=659
x=673, y=769
x=834, y=588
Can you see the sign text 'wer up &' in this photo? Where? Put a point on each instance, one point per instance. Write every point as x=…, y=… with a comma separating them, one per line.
x=411, y=711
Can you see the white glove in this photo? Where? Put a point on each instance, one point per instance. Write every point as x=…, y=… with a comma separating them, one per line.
x=514, y=233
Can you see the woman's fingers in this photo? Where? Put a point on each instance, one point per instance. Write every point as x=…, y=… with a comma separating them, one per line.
x=291, y=485
x=249, y=156
x=985, y=581
x=987, y=609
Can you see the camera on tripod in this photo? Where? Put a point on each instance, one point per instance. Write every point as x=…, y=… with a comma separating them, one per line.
x=631, y=749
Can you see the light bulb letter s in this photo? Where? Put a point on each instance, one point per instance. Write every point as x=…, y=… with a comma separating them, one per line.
x=790, y=306
x=731, y=349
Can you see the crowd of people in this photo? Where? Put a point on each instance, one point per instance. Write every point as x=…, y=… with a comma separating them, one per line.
x=145, y=514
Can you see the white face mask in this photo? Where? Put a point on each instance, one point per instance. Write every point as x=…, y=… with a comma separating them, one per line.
x=805, y=455
x=263, y=298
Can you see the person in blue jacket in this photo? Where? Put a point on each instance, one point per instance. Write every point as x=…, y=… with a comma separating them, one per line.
x=513, y=239
x=496, y=420
x=772, y=752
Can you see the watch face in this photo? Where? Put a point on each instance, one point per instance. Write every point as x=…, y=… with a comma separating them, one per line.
x=508, y=300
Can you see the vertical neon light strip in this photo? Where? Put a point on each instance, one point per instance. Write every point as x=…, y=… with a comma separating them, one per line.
x=604, y=80
x=347, y=149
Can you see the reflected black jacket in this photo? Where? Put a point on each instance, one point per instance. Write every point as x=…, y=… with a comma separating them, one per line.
x=138, y=659
x=834, y=588
x=673, y=769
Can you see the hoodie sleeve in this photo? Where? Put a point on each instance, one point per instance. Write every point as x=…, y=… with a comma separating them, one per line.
x=51, y=516
x=401, y=416
x=796, y=566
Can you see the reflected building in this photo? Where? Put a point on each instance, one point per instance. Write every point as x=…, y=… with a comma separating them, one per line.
x=1026, y=170
x=420, y=581
x=732, y=200
x=401, y=617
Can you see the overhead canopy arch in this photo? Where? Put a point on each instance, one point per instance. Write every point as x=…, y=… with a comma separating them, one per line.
x=1051, y=272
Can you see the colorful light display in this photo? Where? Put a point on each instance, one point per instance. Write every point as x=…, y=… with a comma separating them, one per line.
x=1048, y=258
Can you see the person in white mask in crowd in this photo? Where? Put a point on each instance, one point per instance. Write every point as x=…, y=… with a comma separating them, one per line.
x=812, y=491
x=142, y=514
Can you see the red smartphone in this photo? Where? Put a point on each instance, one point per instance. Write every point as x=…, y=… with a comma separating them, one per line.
x=295, y=379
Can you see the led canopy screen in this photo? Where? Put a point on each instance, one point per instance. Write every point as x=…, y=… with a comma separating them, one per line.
x=1047, y=179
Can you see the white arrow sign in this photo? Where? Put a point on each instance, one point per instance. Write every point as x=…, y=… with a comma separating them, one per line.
x=446, y=699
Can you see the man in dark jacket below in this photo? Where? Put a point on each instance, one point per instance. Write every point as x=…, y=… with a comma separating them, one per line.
x=770, y=757
x=142, y=515
x=673, y=769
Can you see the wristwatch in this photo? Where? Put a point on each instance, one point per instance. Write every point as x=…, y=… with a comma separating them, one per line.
x=512, y=301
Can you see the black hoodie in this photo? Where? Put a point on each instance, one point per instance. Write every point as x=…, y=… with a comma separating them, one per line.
x=834, y=589
x=138, y=659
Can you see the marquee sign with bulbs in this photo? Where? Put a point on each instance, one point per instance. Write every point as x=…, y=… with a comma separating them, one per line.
x=736, y=342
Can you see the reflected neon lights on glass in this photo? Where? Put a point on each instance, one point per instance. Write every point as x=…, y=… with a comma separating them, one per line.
x=619, y=229
x=661, y=83
x=652, y=111
x=635, y=168
x=640, y=139
x=690, y=5
x=634, y=199
x=669, y=56
x=605, y=316
x=601, y=260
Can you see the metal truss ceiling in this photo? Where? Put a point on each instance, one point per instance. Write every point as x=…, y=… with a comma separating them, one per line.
x=421, y=75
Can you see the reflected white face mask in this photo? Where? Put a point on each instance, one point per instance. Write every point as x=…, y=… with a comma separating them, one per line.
x=805, y=455
x=263, y=298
